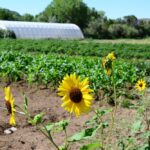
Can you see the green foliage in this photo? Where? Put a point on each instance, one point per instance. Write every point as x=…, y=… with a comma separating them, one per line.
x=84, y=134
x=27, y=17
x=50, y=69
x=126, y=103
x=7, y=34
x=91, y=146
x=131, y=20
x=36, y=119
x=25, y=108
x=122, y=31
x=137, y=126
x=58, y=126
x=128, y=143
x=6, y=14
x=97, y=29
x=70, y=47
x=67, y=11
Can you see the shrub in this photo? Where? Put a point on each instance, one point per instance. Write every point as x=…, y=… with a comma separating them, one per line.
x=7, y=34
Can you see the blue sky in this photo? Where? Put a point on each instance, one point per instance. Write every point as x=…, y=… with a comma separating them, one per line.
x=112, y=8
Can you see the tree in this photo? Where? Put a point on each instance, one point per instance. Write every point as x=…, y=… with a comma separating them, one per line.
x=97, y=27
x=122, y=31
x=67, y=11
x=131, y=20
x=6, y=14
x=27, y=17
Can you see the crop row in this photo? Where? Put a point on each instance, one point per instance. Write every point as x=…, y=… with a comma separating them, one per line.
x=50, y=69
x=81, y=48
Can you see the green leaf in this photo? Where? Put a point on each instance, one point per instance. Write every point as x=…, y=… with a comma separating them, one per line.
x=63, y=123
x=99, y=113
x=84, y=134
x=146, y=135
x=137, y=126
x=102, y=112
x=58, y=126
x=141, y=109
x=49, y=127
x=38, y=118
x=25, y=104
x=92, y=146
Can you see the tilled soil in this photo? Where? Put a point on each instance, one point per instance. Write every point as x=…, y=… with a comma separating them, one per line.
x=27, y=137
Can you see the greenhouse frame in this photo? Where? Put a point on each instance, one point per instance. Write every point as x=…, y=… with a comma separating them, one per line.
x=40, y=30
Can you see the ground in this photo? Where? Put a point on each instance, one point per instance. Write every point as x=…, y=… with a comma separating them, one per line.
x=41, y=99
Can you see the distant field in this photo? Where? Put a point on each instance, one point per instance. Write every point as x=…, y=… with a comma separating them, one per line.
x=99, y=48
x=128, y=41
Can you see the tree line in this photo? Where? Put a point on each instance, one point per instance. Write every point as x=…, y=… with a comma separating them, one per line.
x=93, y=23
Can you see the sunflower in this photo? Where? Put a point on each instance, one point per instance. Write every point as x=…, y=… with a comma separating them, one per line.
x=111, y=56
x=9, y=100
x=107, y=65
x=140, y=85
x=76, y=94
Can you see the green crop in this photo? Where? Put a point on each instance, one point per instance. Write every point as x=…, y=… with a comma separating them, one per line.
x=50, y=69
x=70, y=47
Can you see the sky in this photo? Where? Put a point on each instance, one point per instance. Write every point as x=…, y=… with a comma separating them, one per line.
x=113, y=8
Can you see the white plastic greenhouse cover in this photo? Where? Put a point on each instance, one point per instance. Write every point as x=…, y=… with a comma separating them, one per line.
x=39, y=30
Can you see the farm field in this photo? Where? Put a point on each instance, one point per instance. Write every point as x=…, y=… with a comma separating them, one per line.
x=37, y=67
x=82, y=48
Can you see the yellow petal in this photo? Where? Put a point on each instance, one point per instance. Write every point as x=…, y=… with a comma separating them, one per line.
x=7, y=93
x=66, y=103
x=85, y=82
x=87, y=97
x=77, y=112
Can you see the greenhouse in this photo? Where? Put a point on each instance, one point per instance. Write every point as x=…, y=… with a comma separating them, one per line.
x=40, y=30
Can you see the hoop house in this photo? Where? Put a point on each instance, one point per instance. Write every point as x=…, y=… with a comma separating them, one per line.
x=39, y=30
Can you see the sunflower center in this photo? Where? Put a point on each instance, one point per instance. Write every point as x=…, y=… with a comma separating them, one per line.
x=75, y=95
x=8, y=105
x=141, y=85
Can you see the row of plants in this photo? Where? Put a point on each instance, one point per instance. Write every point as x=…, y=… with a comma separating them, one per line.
x=70, y=47
x=77, y=98
x=45, y=69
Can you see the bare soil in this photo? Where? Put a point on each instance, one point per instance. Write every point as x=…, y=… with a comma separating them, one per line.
x=27, y=137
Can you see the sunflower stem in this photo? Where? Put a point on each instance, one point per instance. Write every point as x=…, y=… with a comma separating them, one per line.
x=49, y=136
x=113, y=114
x=66, y=139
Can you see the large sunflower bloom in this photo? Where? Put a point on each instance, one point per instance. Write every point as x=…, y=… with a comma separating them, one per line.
x=140, y=85
x=76, y=94
x=10, y=105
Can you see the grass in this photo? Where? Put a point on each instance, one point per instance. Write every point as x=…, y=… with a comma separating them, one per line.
x=115, y=41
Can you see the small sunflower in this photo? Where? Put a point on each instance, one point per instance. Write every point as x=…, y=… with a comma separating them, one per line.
x=140, y=85
x=9, y=100
x=107, y=65
x=76, y=94
x=111, y=56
